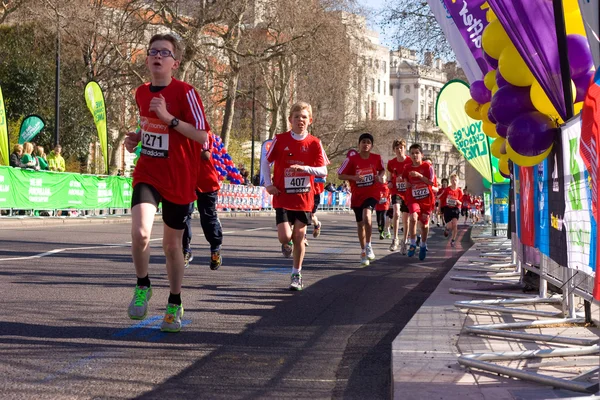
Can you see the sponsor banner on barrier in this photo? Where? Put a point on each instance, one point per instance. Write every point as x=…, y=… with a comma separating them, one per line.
x=542, y=234
x=556, y=204
x=517, y=189
x=526, y=208
x=500, y=207
x=578, y=219
x=512, y=219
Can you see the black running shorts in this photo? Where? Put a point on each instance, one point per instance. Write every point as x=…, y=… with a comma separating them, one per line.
x=173, y=215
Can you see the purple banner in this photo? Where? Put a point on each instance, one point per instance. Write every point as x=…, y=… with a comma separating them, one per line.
x=530, y=26
x=469, y=17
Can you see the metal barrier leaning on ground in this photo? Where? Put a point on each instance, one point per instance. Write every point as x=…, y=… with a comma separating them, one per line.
x=552, y=238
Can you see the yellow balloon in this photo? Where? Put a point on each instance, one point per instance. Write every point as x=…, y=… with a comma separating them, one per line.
x=503, y=165
x=496, y=147
x=494, y=90
x=494, y=39
x=483, y=111
x=513, y=68
x=490, y=129
x=577, y=107
x=490, y=15
x=524, y=161
x=490, y=79
x=472, y=109
x=541, y=101
x=570, y=6
x=574, y=24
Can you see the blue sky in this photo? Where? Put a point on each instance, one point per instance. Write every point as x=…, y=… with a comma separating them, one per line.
x=375, y=5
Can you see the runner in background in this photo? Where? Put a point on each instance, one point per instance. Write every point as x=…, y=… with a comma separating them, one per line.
x=450, y=199
x=364, y=170
x=420, y=198
x=466, y=205
x=318, y=188
x=381, y=209
x=397, y=185
x=297, y=157
x=476, y=208
x=440, y=209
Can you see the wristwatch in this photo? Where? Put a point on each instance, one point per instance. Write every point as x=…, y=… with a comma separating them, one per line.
x=174, y=123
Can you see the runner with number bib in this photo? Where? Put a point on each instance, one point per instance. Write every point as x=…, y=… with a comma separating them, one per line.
x=397, y=186
x=450, y=201
x=381, y=210
x=364, y=170
x=420, y=178
x=297, y=157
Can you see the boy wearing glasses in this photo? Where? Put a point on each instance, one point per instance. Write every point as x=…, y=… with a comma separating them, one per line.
x=420, y=198
x=364, y=170
x=173, y=128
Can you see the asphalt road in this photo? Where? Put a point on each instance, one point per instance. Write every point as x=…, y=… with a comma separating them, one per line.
x=65, y=334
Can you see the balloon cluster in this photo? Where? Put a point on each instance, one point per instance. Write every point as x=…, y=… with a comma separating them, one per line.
x=515, y=110
x=224, y=164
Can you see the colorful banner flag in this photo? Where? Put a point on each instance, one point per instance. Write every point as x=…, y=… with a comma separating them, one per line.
x=30, y=127
x=500, y=208
x=465, y=133
x=578, y=221
x=470, y=19
x=542, y=234
x=527, y=204
x=3, y=133
x=517, y=207
x=95, y=102
x=461, y=51
x=589, y=11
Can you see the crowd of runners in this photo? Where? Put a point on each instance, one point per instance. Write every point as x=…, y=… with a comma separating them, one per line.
x=175, y=169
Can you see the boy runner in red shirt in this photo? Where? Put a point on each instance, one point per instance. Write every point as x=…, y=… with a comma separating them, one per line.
x=450, y=201
x=466, y=204
x=319, y=188
x=298, y=157
x=363, y=170
x=173, y=127
x=420, y=198
x=397, y=186
x=381, y=209
x=207, y=192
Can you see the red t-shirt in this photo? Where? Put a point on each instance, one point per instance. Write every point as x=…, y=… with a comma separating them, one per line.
x=365, y=188
x=319, y=187
x=396, y=168
x=208, y=177
x=295, y=187
x=477, y=204
x=384, y=198
x=418, y=191
x=449, y=197
x=168, y=160
x=466, y=201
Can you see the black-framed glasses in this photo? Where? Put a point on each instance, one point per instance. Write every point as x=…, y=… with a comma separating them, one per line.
x=163, y=53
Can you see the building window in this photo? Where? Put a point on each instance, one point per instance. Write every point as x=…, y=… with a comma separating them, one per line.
x=431, y=111
x=422, y=110
x=438, y=147
x=407, y=89
x=373, y=85
x=376, y=63
x=384, y=88
x=366, y=84
x=422, y=92
x=384, y=109
x=370, y=62
x=384, y=67
x=378, y=85
x=430, y=93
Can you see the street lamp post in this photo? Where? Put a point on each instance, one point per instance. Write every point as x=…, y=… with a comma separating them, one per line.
x=416, y=130
x=57, y=82
x=253, y=124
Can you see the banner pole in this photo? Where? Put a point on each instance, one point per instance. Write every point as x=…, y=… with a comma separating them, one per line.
x=561, y=38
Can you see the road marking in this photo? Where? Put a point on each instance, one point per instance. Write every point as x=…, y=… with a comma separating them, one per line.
x=55, y=251
x=256, y=229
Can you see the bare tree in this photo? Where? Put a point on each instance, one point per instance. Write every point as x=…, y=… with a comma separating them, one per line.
x=414, y=26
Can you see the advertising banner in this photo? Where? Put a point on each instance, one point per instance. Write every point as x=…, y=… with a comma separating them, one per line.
x=556, y=204
x=526, y=210
x=500, y=208
x=94, y=99
x=30, y=127
x=462, y=52
x=542, y=233
x=466, y=134
x=470, y=20
x=4, y=154
x=517, y=189
x=578, y=220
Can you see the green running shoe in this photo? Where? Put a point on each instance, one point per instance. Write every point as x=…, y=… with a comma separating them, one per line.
x=172, y=320
x=138, y=308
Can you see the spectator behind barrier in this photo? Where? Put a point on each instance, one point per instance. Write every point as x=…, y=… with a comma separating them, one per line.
x=56, y=162
x=41, y=156
x=28, y=158
x=15, y=157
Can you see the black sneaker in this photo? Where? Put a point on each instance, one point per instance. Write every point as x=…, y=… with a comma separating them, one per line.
x=187, y=258
x=215, y=260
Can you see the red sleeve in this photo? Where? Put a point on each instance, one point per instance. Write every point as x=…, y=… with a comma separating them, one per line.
x=380, y=167
x=194, y=110
x=321, y=159
x=271, y=153
x=347, y=167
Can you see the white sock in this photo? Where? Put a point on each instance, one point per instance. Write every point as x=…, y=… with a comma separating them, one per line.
x=295, y=271
x=368, y=244
x=423, y=244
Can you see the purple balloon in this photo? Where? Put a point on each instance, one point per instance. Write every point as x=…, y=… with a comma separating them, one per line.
x=582, y=83
x=500, y=81
x=490, y=60
x=531, y=134
x=491, y=117
x=480, y=93
x=509, y=102
x=580, y=55
x=504, y=175
x=501, y=130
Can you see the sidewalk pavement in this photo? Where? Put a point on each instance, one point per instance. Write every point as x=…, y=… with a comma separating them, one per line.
x=425, y=354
